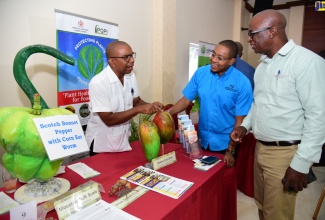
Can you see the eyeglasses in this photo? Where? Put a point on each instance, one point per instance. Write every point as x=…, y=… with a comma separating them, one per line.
x=127, y=58
x=220, y=58
x=251, y=33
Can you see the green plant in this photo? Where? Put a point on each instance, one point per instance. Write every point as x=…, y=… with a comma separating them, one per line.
x=196, y=106
x=134, y=131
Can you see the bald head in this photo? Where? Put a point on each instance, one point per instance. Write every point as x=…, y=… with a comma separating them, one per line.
x=113, y=48
x=240, y=48
x=271, y=18
x=267, y=30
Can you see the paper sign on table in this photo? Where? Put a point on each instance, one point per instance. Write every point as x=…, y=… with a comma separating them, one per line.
x=77, y=201
x=83, y=170
x=62, y=135
x=103, y=211
x=6, y=203
x=164, y=160
x=26, y=211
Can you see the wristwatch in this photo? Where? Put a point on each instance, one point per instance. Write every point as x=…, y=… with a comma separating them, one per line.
x=231, y=151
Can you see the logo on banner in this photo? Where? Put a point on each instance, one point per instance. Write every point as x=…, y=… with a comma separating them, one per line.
x=80, y=24
x=80, y=27
x=99, y=30
x=319, y=5
x=205, y=50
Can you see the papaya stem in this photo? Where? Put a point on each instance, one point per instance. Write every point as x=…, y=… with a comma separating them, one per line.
x=37, y=108
x=20, y=72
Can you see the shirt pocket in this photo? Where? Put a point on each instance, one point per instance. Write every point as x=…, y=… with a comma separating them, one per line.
x=227, y=100
x=129, y=101
x=285, y=85
x=115, y=102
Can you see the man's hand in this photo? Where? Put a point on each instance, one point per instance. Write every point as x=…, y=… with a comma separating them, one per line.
x=238, y=133
x=158, y=106
x=147, y=109
x=294, y=180
x=229, y=159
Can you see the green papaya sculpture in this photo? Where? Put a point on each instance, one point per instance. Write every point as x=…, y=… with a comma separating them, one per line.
x=25, y=156
x=150, y=140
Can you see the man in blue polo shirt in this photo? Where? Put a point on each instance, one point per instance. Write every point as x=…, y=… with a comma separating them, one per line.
x=225, y=97
x=244, y=67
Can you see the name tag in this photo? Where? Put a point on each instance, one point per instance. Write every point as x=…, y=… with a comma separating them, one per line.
x=77, y=201
x=164, y=160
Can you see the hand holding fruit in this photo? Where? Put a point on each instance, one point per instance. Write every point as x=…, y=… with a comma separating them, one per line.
x=158, y=106
x=150, y=108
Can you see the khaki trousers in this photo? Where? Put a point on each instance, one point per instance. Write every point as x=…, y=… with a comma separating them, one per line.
x=270, y=165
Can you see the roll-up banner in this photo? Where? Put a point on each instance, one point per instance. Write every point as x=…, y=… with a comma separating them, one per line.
x=204, y=53
x=84, y=39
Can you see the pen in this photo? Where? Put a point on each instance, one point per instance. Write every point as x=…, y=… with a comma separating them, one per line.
x=277, y=76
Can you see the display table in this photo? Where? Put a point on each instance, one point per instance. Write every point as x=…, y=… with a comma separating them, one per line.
x=244, y=165
x=212, y=196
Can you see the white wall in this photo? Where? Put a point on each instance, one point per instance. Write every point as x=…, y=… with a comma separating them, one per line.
x=294, y=30
x=204, y=20
x=33, y=22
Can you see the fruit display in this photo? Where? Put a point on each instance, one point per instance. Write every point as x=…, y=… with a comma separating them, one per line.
x=150, y=140
x=165, y=124
x=155, y=130
x=25, y=156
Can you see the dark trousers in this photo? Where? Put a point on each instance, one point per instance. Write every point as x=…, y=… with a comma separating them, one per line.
x=91, y=149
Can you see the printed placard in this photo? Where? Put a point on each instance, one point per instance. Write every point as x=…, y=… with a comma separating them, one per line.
x=62, y=135
x=77, y=201
x=164, y=160
x=25, y=211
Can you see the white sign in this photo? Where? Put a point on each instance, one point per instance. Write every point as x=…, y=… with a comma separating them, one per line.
x=102, y=210
x=26, y=211
x=62, y=135
x=77, y=201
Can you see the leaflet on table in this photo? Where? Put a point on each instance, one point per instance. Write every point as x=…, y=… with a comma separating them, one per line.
x=158, y=182
x=83, y=170
x=186, y=129
x=202, y=166
x=6, y=203
x=101, y=210
x=179, y=119
x=182, y=124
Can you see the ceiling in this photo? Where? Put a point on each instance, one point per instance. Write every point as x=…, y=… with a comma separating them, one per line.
x=280, y=4
x=275, y=2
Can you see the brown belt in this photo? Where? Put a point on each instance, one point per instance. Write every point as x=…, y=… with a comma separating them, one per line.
x=279, y=143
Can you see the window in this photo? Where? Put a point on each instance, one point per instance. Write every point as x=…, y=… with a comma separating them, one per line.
x=193, y=61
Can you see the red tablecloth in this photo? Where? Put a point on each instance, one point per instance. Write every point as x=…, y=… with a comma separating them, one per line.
x=244, y=165
x=212, y=196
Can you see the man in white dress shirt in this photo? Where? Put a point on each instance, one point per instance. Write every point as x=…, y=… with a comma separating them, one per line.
x=114, y=101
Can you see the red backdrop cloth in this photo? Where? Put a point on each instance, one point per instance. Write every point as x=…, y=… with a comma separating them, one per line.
x=244, y=165
x=212, y=196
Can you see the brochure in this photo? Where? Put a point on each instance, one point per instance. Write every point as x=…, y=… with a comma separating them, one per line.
x=83, y=170
x=158, y=182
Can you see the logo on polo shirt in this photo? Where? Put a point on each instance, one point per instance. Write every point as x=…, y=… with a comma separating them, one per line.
x=231, y=88
x=319, y=5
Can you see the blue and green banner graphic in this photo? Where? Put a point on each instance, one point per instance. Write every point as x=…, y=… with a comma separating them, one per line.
x=84, y=39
